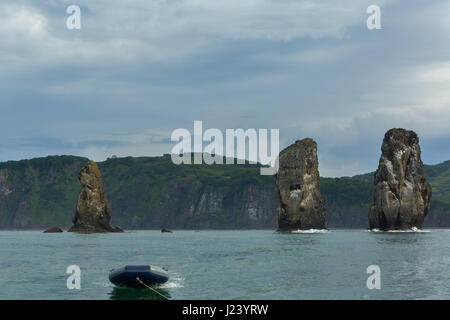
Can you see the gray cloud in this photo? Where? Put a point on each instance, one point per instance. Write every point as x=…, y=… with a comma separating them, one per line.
x=135, y=72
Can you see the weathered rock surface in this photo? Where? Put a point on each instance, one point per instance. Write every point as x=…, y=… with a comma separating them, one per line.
x=92, y=213
x=53, y=230
x=402, y=194
x=301, y=205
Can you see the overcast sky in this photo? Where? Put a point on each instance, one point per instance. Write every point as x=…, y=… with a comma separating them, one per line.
x=137, y=70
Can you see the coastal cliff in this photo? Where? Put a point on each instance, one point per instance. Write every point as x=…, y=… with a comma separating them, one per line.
x=188, y=205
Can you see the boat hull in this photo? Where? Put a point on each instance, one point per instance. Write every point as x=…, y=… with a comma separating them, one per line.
x=128, y=276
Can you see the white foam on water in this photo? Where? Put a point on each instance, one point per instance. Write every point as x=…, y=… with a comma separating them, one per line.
x=413, y=230
x=171, y=285
x=103, y=284
x=311, y=231
x=175, y=282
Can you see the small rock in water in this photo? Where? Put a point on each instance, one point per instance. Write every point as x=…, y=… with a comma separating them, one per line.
x=166, y=230
x=53, y=230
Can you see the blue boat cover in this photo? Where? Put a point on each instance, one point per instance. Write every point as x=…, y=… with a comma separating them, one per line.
x=128, y=275
x=137, y=268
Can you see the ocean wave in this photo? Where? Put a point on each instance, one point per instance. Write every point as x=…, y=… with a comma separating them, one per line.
x=413, y=230
x=311, y=231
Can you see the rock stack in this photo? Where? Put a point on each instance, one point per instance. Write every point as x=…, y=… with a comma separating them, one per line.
x=301, y=205
x=402, y=194
x=92, y=212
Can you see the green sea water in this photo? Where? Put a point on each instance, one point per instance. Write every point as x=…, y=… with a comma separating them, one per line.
x=255, y=264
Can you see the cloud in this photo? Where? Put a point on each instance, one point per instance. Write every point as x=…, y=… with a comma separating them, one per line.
x=415, y=98
x=135, y=72
x=167, y=30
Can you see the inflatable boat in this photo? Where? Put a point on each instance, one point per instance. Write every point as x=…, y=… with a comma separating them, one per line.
x=133, y=276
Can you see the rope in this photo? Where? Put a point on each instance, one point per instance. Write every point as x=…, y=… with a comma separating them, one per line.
x=137, y=278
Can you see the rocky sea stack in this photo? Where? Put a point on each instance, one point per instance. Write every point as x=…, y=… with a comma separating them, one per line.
x=53, y=230
x=92, y=212
x=301, y=205
x=402, y=194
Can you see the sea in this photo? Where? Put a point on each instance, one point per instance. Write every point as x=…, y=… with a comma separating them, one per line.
x=235, y=264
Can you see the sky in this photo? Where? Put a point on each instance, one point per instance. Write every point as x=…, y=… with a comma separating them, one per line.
x=135, y=71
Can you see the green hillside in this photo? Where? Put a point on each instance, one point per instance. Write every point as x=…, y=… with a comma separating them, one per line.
x=40, y=189
x=43, y=191
x=439, y=177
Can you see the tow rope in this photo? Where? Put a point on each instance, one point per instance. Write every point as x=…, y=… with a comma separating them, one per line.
x=137, y=278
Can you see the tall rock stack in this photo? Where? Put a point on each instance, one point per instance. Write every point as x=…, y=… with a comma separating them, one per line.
x=92, y=212
x=402, y=194
x=301, y=205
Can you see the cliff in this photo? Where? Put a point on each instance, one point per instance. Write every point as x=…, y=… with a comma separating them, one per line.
x=148, y=192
